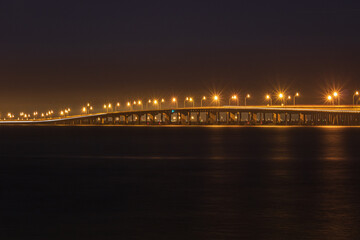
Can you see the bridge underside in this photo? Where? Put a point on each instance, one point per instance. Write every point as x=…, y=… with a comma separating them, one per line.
x=213, y=117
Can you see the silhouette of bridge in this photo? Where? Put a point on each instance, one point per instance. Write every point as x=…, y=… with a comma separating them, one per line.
x=215, y=115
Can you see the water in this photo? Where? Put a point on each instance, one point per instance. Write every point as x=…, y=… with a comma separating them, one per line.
x=179, y=182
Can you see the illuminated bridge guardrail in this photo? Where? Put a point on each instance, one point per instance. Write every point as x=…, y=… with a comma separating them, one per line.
x=241, y=115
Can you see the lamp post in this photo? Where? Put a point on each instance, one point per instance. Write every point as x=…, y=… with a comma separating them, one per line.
x=329, y=98
x=87, y=109
x=355, y=94
x=234, y=98
x=174, y=100
x=217, y=100
x=246, y=97
x=269, y=99
x=296, y=95
x=281, y=97
x=155, y=103
x=189, y=99
x=117, y=106
x=140, y=104
x=336, y=95
x=147, y=103
x=129, y=105
x=201, y=101
x=288, y=98
x=162, y=102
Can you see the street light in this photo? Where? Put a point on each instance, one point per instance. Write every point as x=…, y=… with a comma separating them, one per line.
x=329, y=98
x=129, y=105
x=217, y=100
x=140, y=104
x=234, y=98
x=355, y=94
x=117, y=107
x=246, y=97
x=189, y=99
x=201, y=101
x=162, y=101
x=296, y=95
x=336, y=95
x=289, y=98
x=269, y=99
x=155, y=102
x=147, y=103
x=174, y=100
x=281, y=97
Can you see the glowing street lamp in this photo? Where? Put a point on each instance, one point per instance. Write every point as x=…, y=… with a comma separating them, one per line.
x=156, y=103
x=162, y=102
x=117, y=107
x=147, y=103
x=329, y=98
x=129, y=105
x=10, y=115
x=289, y=98
x=355, y=94
x=86, y=110
x=217, y=100
x=246, y=97
x=189, y=99
x=139, y=102
x=108, y=107
x=234, y=98
x=296, y=95
x=336, y=95
x=281, y=97
x=269, y=99
x=201, y=101
x=174, y=100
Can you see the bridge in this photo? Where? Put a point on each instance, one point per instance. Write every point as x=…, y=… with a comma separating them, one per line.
x=215, y=115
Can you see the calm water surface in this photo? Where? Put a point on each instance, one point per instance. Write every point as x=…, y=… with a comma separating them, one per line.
x=179, y=183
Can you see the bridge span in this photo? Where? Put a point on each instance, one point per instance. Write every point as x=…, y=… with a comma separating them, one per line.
x=216, y=115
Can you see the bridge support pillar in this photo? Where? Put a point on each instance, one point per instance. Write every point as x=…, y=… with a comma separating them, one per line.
x=276, y=118
x=231, y=118
x=211, y=118
x=301, y=118
x=253, y=118
x=166, y=118
x=182, y=118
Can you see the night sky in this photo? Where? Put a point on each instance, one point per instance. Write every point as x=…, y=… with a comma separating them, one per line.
x=65, y=53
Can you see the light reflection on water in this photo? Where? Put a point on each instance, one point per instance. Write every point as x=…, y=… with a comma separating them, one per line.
x=180, y=183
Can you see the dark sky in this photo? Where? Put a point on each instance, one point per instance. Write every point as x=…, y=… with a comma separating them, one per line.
x=65, y=53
